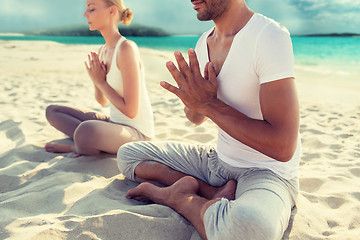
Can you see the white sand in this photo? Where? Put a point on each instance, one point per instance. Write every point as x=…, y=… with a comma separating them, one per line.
x=49, y=196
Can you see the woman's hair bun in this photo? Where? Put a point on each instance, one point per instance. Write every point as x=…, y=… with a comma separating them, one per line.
x=126, y=16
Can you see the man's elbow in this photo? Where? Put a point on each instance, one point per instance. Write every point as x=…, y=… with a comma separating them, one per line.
x=284, y=158
x=285, y=152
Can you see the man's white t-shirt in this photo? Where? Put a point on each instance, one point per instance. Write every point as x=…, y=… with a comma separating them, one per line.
x=261, y=52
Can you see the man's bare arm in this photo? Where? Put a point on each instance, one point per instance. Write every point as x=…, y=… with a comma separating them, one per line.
x=275, y=136
x=194, y=117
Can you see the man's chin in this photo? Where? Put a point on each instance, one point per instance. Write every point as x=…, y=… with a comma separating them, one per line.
x=203, y=17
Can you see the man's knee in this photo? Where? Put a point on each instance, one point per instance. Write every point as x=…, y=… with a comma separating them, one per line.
x=259, y=225
x=252, y=223
x=240, y=222
x=128, y=156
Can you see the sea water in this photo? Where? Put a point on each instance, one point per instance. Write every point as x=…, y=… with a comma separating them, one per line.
x=328, y=54
x=324, y=54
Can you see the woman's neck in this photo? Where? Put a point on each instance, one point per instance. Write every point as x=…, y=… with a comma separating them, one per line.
x=111, y=36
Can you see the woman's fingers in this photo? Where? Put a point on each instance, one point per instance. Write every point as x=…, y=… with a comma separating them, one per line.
x=94, y=61
x=103, y=66
x=91, y=64
x=87, y=66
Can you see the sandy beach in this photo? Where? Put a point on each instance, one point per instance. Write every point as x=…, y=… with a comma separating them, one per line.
x=53, y=196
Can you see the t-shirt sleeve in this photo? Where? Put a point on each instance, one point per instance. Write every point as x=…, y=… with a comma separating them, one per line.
x=274, y=54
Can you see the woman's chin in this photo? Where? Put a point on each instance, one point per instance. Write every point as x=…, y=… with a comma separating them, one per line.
x=92, y=28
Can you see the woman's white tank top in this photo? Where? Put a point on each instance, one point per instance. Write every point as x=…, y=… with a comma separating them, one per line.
x=144, y=120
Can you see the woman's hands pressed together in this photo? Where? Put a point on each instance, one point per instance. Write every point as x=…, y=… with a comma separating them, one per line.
x=96, y=69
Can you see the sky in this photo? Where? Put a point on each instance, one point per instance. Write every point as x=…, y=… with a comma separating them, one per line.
x=178, y=17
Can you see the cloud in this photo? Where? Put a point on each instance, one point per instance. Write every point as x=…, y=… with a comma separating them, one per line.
x=21, y=15
x=24, y=9
x=312, y=16
x=177, y=16
x=324, y=16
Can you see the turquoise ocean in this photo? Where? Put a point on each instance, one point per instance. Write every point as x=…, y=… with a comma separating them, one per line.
x=323, y=54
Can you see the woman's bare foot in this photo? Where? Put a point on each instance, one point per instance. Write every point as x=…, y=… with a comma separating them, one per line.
x=58, y=148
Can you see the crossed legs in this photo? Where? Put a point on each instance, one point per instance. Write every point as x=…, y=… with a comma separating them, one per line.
x=187, y=195
x=92, y=133
x=263, y=201
x=182, y=196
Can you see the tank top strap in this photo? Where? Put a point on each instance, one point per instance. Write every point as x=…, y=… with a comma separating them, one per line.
x=121, y=40
x=101, y=51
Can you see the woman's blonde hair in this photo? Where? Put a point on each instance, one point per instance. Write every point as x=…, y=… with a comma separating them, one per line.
x=126, y=15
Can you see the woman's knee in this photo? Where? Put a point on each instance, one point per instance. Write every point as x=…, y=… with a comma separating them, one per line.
x=85, y=133
x=49, y=112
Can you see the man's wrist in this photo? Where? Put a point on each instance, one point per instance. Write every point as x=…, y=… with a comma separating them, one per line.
x=208, y=108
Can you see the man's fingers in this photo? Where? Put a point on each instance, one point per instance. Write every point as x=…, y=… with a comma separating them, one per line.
x=171, y=88
x=194, y=64
x=176, y=74
x=206, y=71
x=183, y=66
x=212, y=74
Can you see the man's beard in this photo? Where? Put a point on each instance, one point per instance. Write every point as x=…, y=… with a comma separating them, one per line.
x=212, y=11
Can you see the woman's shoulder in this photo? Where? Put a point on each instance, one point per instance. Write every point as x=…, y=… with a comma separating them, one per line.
x=128, y=53
x=128, y=45
x=127, y=49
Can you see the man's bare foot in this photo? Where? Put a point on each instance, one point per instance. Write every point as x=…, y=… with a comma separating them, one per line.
x=58, y=148
x=182, y=196
x=147, y=192
x=227, y=191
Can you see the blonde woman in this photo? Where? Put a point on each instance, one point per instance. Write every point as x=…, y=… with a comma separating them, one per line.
x=118, y=77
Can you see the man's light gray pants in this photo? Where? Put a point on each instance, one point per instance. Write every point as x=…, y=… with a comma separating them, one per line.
x=263, y=203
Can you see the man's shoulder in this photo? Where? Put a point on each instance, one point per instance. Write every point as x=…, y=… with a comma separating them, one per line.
x=206, y=34
x=268, y=27
x=200, y=43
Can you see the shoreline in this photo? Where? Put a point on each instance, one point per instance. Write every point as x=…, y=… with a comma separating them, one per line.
x=52, y=196
x=335, y=79
x=341, y=59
